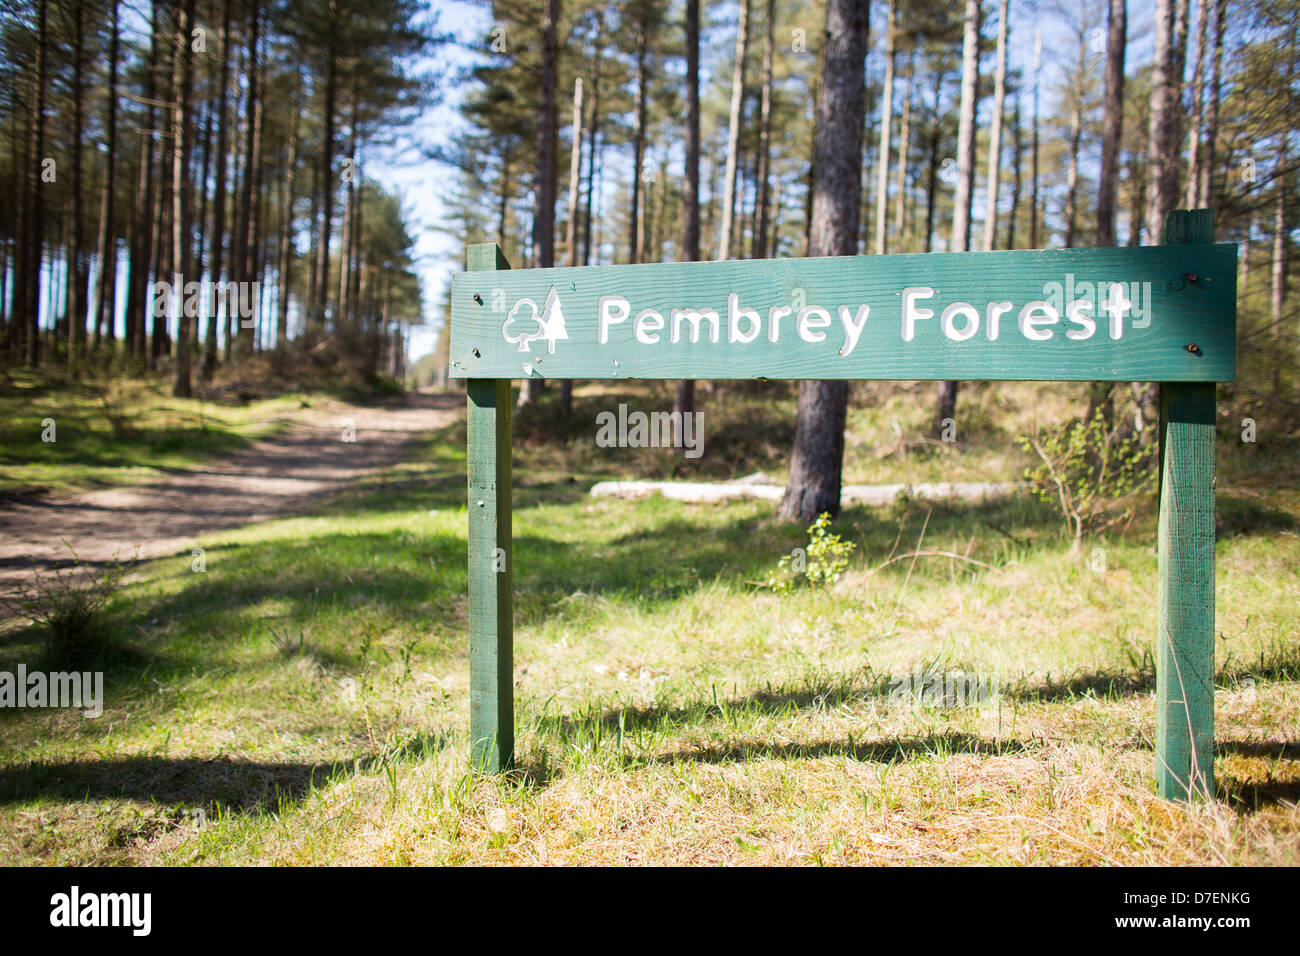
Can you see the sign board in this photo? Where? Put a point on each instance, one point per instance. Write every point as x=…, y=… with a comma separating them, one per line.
x=1165, y=313
x=1139, y=314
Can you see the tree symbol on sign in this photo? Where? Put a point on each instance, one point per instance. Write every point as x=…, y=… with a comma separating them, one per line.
x=553, y=321
x=550, y=326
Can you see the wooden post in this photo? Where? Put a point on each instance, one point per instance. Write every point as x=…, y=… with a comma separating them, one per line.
x=491, y=558
x=1185, y=658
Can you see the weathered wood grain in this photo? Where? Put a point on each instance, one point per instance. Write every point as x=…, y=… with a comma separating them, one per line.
x=1185, y=638
x=491, y=560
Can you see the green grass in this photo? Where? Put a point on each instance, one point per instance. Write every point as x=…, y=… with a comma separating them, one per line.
x=114, y=432
x=307, y=692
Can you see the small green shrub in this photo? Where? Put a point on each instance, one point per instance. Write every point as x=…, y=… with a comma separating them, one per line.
x=68, y=604
x=819, y=565
x=1092, y=473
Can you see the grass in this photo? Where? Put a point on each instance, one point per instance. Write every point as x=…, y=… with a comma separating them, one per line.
x=303, y=700
x=115, y=432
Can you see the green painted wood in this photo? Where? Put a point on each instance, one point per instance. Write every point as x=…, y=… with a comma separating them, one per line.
x=1191, y=279
x=1185, y=658
x=485, y=257
x=491, y=560
x=497, y=330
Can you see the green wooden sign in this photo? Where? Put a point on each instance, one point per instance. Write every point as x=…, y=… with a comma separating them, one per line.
x=1164, y=313
x=1144, y=314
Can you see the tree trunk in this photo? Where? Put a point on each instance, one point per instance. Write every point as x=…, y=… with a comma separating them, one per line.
x=684, y=403
x=593, y=126
x=1076, y=134
x=1017, y=149
x=182, y=68
x=1193, y=187
x=106, y=284
x=947, y=391
x=886, y=122
x=15, y=283
x=73, y=305
x=1101, y=394
x=817, y=459
x=160, y=341
x=217, y=252
x=961, y=224
x=571, y=228
x=544, y=194
x=142, y=232
x=248, y=240
x=357, y=267
x=995, y=136
x=904, y=144
x=286, y=233
x=635, y=239
x=1205, y=187
x=575, y=171
x=325, y=187
x=1244, y=258
x=200, y=217
x=313, y=235
x=346, y=317
x=1137, y=187
x=1278, y=291
x=733, y=133
x=1112, y=122
x=1161, y=142
x=932, y=179
x=812, y=167
x=503, y=201
x=36, y=234
x=760, y=247
x=1033, y=177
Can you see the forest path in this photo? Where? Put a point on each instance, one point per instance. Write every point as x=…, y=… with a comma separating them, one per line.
x=274, y=477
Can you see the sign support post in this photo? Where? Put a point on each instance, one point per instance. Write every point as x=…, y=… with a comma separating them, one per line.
x=491, y=558
x=1163, y=314
x=1185, y=625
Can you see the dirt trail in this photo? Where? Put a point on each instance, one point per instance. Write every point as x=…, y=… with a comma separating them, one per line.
x=274, y=477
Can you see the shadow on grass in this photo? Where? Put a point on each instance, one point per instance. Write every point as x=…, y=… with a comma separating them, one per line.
x=230, y=784
x=831, y=691
x=538, y=770
x=83, y=441
x=1235, y=516
x=1250, y=793
x=865, y=751
x=1279, y=664
x=239, y=786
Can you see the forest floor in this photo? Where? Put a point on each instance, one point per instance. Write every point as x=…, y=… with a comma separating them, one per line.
x=304, y=700
x=313, y=450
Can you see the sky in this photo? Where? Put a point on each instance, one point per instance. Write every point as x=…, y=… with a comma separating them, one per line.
x=421, y=182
